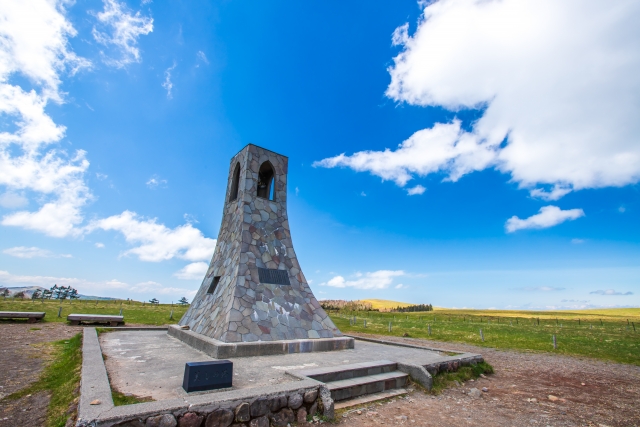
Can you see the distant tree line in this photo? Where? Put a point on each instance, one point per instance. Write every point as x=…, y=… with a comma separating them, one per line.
x=55, y=292
x=412, y=308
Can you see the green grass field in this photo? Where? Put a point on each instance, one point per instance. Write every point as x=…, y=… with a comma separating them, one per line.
x=134, y=312
x=600, y=334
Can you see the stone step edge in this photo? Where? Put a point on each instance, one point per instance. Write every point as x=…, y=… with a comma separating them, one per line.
x=345, y=368
x=368, y=398
x=359, y=381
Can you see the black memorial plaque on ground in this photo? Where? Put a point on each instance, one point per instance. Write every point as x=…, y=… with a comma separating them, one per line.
x=201, y=376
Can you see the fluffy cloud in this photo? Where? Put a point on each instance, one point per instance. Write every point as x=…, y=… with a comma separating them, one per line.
x=558, y=84
x=155, y=181
x=33, y=252
x=417, y=190
x=610, y=292
x=35, y=46
x=380, y=279
x=548, y=216
x=120, y=29
x=193, y=271
x=157, y=242
x=34, y=51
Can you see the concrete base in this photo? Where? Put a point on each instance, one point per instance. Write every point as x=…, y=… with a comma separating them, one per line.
x=223, y=350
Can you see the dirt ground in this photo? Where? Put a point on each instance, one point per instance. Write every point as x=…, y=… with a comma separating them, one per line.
x=21, y=361
x=610, y=395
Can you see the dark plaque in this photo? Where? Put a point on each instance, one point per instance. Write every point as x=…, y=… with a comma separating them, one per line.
x=200, y=376
x=275, y=277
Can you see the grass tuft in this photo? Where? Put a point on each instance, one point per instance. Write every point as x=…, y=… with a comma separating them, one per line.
x=443, y=380
x=121, y=399
x=60, y=379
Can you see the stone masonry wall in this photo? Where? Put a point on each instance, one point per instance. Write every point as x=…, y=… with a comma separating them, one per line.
x=280, y=411
x=255, y=234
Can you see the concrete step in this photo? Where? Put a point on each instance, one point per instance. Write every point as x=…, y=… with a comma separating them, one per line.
x=368, y=398
x=369, y=384
x=346, y=372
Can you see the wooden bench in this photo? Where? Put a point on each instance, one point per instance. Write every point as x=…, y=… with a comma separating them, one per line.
x=31, y=316
x=114, y=320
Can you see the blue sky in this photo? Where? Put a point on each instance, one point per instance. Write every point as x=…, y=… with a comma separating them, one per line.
x=458, y=153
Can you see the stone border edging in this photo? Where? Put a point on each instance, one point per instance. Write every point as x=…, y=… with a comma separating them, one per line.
x=279, y=404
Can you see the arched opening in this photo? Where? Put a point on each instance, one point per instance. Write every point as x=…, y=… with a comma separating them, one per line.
x=235, y=183
x=266, y=181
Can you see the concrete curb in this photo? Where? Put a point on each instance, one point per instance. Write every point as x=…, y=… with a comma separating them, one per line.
x=224, y=350
x=94, y=382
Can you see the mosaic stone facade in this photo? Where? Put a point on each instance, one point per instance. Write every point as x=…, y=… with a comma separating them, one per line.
x=232, y=304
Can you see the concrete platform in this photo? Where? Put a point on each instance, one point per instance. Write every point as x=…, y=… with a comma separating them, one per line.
x=151, y=363
x=223, y=350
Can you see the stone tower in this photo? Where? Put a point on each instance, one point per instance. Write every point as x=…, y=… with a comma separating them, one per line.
x=254, y=289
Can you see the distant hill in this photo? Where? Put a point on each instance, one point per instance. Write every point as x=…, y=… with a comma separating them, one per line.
x=29, y=290
x=384, y=304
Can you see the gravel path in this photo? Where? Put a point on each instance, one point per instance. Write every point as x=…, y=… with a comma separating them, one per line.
x=21, y=361
x=610, y=395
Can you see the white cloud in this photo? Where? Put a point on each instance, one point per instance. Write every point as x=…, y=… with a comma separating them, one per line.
x=417, y=190
x=120, y=29
x=201, y=56
x=380, y=279
x=35, y=46
x=558, y=81
x=193, y=271
x=156, y=242
x=363, y=194
x=548, y=216
x=33, y=252
x=155, y=181
x=610, y=292
x=101, y=176
x=622, y=209
x=99, y=245
x=168, y=84
x=11, y=200
x=400, y=286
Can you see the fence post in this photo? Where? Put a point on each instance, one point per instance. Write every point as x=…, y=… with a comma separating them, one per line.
x=365, y=323
x=634, y=326
x=481, y=335
x=120, y=311
x=60, y=311
x=389, y=326
x=555, y=345
x=171, y=315
x=429, y=329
